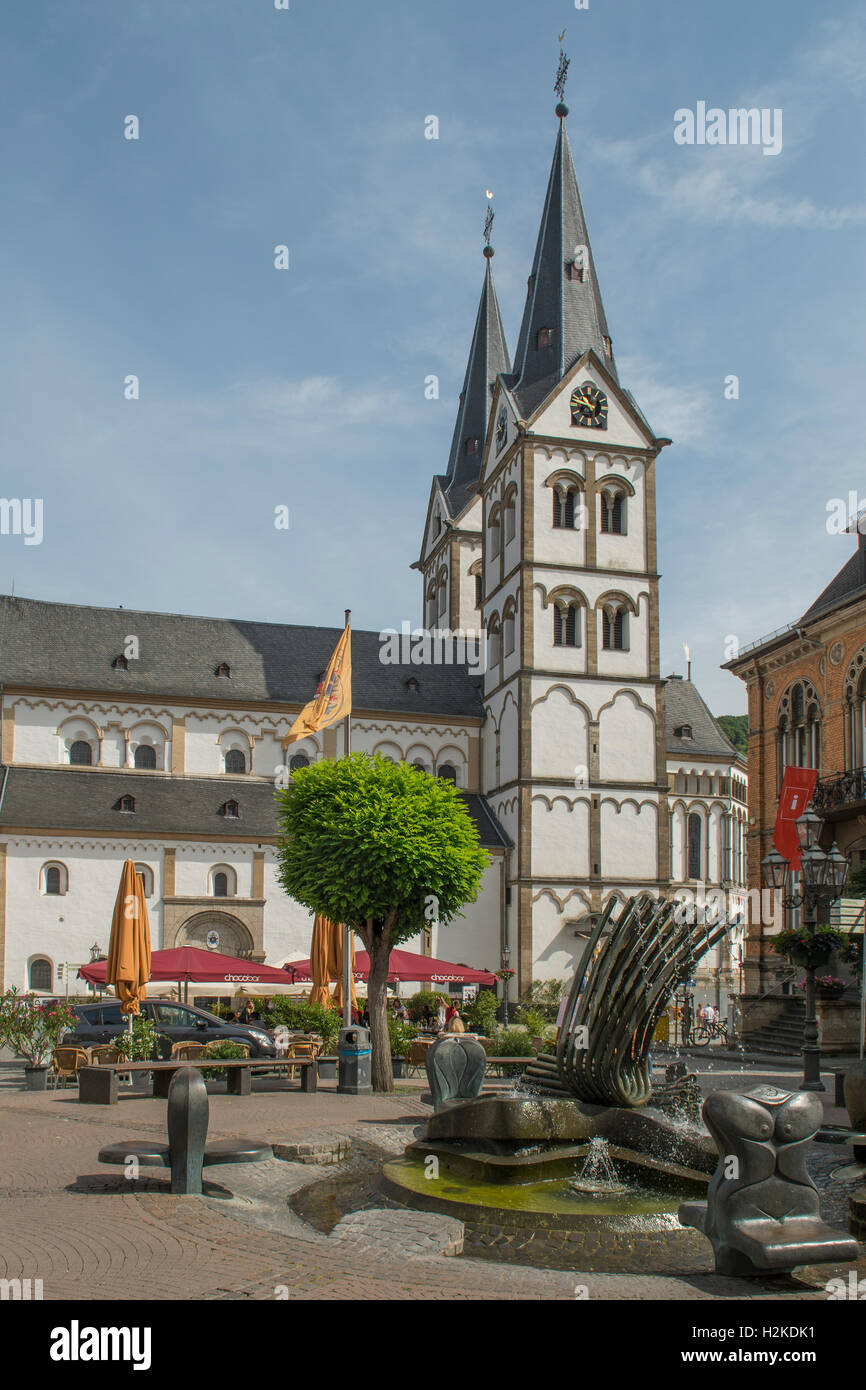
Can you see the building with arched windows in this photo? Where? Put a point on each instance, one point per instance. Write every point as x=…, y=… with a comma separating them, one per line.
x=806, y=685
x=540, y=538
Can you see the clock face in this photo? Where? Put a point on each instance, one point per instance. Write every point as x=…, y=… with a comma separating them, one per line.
x=589, y=406
x=501, y=428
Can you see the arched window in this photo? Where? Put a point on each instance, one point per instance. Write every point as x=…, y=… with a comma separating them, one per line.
x=479, y=590
x=566, y=625
x=799, y=729
x=40, y=975
x=695, y=830
x=443, y=595
x=614, y=629
x=52, y=880
x=493, y=534
x=236, y=762
x=494, y=646
x=299, y=760
x=543, y=338
x=419, y=767
x=564, y=508
x=508, y=633
x=230, y=809
x=145, y=873
x=448, y=773
x=431, y=606
x=613, y=512
x=145, y=756
x=220, y=885
x=81, y=754
x=510, y=518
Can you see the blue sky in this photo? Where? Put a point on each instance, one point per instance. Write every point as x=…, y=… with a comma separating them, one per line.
x=306, y=388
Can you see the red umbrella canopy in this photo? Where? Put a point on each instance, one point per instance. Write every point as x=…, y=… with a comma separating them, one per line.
x=199, y=967
x=406, y=965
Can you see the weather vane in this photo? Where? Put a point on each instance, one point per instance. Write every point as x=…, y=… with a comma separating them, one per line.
x=561, y=75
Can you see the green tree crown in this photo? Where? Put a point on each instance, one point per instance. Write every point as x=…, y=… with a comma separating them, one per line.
x=367, y=840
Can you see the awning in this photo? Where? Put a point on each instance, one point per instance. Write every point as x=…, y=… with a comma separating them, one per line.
x=406, y=965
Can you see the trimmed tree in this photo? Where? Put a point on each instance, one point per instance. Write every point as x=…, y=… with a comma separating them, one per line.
x=384, y=848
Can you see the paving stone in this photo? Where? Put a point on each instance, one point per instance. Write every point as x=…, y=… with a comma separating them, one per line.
x=409, y=1234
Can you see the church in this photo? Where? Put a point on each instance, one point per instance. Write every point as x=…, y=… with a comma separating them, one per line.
x=157, y=737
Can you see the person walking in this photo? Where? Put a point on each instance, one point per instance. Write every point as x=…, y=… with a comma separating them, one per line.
x=441, y=1016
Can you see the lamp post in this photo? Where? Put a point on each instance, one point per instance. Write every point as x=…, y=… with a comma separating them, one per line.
x=506, y=952
x=823, y=879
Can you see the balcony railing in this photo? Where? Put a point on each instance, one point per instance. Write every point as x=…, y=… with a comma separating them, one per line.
x=840, y=791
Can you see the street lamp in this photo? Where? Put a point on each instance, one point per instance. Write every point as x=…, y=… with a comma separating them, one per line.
x=822, y=879
x=506, y=952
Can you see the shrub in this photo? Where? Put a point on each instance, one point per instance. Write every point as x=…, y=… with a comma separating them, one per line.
x=140, y=1045
x=400, y=1035
x=223, y=1049
x=533, y=1019
x=545, y=995
x=481, y=1011
x=415, y=1004
x=299, y=1016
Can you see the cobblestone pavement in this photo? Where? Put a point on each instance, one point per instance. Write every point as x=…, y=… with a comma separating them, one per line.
x=87, y=1231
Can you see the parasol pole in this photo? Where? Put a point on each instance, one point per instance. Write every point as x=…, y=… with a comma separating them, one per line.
x=347, y=944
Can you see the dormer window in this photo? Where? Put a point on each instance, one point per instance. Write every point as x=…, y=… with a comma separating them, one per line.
x=412, y=686
x=126, y=804
x=120, y=663
x=530, y=283
x=230, y=809
x=684, y=731
x=575, y=271
x=608, y=347
x=223, y=670
x=543, y=338
x=471, y=445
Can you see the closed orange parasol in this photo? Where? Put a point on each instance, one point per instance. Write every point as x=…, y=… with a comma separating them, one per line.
x=320, y=961
x=128, y=965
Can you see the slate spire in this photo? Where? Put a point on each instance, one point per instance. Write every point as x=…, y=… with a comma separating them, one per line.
x=564, y=315
x=488, y=356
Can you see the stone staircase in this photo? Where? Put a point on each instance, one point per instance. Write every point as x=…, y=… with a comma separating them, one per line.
x=784, y=1035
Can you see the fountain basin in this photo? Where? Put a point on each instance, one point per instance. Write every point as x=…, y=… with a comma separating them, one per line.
x=544, y=1222
x=555, y=1161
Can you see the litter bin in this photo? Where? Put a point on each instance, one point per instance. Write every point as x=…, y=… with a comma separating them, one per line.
x=354, y=1065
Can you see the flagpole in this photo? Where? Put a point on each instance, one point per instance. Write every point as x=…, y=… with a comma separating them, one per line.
x=347, y=939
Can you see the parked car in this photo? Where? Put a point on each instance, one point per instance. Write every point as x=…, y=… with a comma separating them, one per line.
x=101, y=1023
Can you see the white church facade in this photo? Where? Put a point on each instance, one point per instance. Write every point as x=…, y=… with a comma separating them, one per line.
x=158, y=737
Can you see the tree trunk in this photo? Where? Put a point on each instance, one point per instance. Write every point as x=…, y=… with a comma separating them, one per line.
x=378, y=944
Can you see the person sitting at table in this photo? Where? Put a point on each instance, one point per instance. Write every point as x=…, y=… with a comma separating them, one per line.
x=455, y=1023
x=427, y=1017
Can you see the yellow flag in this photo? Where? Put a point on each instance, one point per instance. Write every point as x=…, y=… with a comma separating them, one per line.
x=333, y=699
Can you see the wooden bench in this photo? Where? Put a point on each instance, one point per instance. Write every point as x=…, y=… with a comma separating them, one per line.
x=98, y=1085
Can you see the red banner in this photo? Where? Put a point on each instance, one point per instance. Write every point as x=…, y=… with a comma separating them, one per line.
x=798, y=785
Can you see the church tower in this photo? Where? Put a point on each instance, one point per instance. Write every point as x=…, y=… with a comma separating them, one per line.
x=573, y=743
x=451, y=561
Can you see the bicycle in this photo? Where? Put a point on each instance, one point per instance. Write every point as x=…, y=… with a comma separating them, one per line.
x=707, y=1032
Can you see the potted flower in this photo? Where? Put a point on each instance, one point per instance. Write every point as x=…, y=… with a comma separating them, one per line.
x=32, y=1030
x=141, y=1043
x=830, y=986
x=809, y=947
x=399, y=1036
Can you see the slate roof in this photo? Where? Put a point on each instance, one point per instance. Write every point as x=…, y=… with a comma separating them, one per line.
x=848, y=584
x=75, y=800
x=684, y=705
x=488, y=356
x=72, y=647
x=571, y=307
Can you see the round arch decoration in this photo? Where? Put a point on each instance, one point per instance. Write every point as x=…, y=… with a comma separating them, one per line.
x=235, y=939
